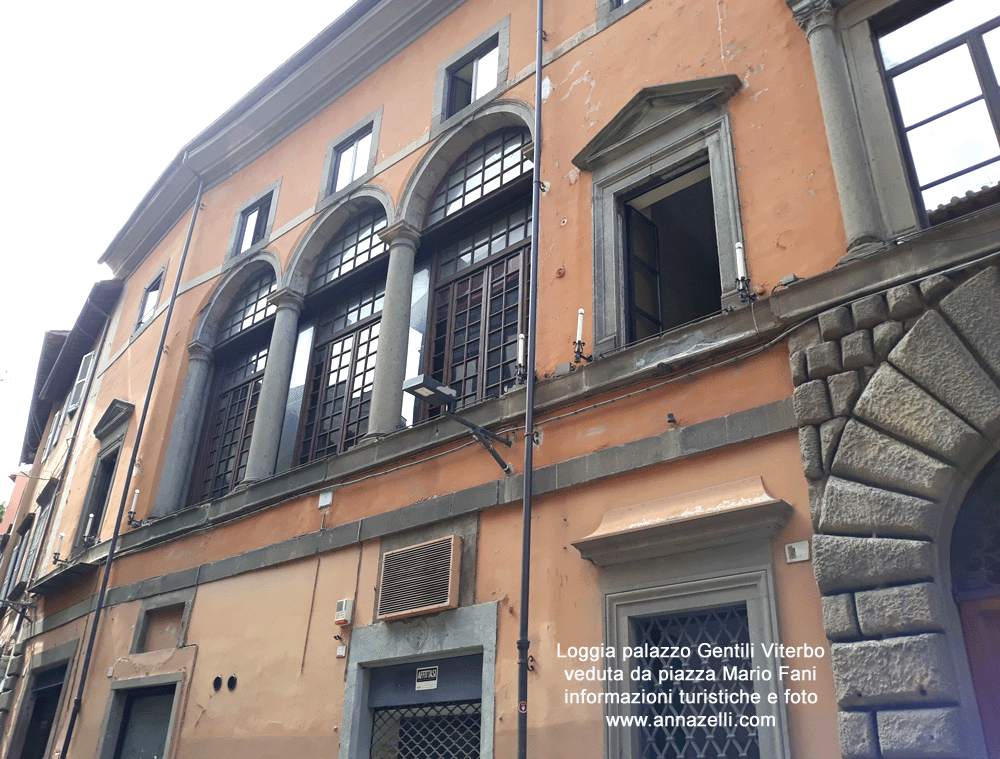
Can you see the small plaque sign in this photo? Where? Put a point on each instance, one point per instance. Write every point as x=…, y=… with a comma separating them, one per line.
x=427, y=678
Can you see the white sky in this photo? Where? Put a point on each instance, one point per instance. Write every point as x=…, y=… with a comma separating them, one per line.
x=100, y=97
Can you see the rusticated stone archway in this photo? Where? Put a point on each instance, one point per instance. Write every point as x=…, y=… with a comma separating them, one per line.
x=898, y=403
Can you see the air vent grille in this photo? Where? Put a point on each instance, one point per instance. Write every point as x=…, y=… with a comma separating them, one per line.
x=420, y=579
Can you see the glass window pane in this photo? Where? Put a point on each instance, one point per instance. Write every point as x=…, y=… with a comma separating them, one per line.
x=941, y=194
x=249, y=223
x=937, y=85
x=934, y=28
x=953, y=142
x=487, y=68
x=345, y=168
x=361, y=151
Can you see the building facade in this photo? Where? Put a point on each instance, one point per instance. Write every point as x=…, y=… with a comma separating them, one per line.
x=763, y=519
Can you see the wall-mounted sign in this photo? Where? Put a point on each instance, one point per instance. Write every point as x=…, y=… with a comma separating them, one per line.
x=427, y=678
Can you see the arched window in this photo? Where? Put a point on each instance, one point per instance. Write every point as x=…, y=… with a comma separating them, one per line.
x=476, y=248
x=240, y=355
x=340, y=327
x=975, y=575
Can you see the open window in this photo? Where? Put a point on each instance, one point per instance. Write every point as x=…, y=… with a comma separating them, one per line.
x=150, y=300
x=666, y=212
x=254, y=219
x=471, y=74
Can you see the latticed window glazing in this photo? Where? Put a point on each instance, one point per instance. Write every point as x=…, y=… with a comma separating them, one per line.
x=355, y=243
x=341, y=375
x=230, y=423
x=975, y=541
x=725, y=627
x=250, y=306
x=486, y=166
x=475, y=323
x=432, y=731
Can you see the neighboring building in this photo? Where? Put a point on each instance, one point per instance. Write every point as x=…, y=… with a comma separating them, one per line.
x=786, y=437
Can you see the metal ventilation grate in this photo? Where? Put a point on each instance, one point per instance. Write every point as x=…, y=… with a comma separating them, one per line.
x=420, y=579
x=434, y=731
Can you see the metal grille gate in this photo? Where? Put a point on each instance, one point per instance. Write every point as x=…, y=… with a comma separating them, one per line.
x=431, y=731
x=724, y=626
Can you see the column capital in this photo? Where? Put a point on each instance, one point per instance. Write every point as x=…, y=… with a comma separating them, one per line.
x=401, y=230
x=812, y=14
x=286, y=297
x=199, y=351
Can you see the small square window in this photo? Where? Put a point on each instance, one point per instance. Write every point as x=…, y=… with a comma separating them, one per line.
x=352, y=160
x=253, y=225
x=473, y=77
x=150, y=300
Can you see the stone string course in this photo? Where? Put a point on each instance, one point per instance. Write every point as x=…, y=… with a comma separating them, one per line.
x=897, y=398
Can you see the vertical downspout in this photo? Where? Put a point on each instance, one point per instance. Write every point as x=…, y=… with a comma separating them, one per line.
x=78, y=701
x=529, y=411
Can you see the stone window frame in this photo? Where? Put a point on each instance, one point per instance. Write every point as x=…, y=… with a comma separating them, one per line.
x=111, y=432
x=327, y=195
x=610, y=11
x=183, y=598
x=115, y=711
x=753, y=586
x=160, y=278
x=465, y=630
x=233, y=252
x=64, y=653
x=697, y=134
x=440, y=119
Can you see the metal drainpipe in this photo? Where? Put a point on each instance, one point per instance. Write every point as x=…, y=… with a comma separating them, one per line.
x=78, y=701
x=529, y=412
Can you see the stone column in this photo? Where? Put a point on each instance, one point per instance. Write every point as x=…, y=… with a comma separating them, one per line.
x=393, y=339
x=858, y=202
x=184, y=434
x=274, y=389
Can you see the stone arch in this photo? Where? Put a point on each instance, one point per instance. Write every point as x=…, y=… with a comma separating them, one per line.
x=218, y=304
x=435, y=164
x=898, y=405
x=303, y=260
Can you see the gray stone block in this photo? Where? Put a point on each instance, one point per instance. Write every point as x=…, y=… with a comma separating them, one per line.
x=936, y=286
x=885, y=336
x=8, y=684
x=912, y=670
x=845, y=388
x=903, y=609
x=894, y=404
x=812, y=462
x=867, y=455
x=6, y=700
x=921, y=734
x=15, y=666
x=804, y=337
x=840, y=619
x=904, y=301
x=797, y=363
x=823, y=360
x=869, y=311
x=867, y=372
x=933, y=356
x=829, y=438
x=816, y=490
x=843, y=564
x=811, y=403
x=857, y=349
x=974, y=309
x=856, y=731
x=850, y=508
x=835, y=323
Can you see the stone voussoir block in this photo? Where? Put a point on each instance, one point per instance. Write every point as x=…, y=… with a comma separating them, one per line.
x=869, y=311
x=829, y=438
x=904, y=301
x=843, y=564
x=915, y=670
x=856, y=731
x=936, y=286
x=920, y=733
x=812, y=462
x=835, y=323
x=840, y=619
x=900, y=610
x=797, y=364
x=857, y=349
x=811, y=403
x=884, y=338
x=823, y=360
x=845, y=388
x=850, y=508
x=974, y=309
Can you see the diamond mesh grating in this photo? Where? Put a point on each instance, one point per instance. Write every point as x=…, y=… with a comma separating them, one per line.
x=432, y=731
x=724, y=626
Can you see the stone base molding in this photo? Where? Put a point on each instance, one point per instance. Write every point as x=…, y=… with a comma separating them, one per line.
x=897, y=400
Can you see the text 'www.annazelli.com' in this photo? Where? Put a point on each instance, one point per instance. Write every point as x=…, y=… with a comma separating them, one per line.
x=725, y=719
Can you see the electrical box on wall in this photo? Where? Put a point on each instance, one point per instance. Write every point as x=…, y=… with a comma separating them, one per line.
x=345, y=610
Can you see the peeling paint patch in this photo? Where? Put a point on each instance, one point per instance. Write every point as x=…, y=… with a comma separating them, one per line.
x=547, y=88
x=572, y=175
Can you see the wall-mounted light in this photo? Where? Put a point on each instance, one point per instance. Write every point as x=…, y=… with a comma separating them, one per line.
x=578, y=344
x=55, y=555
x=437, y=394
x=742, y=278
